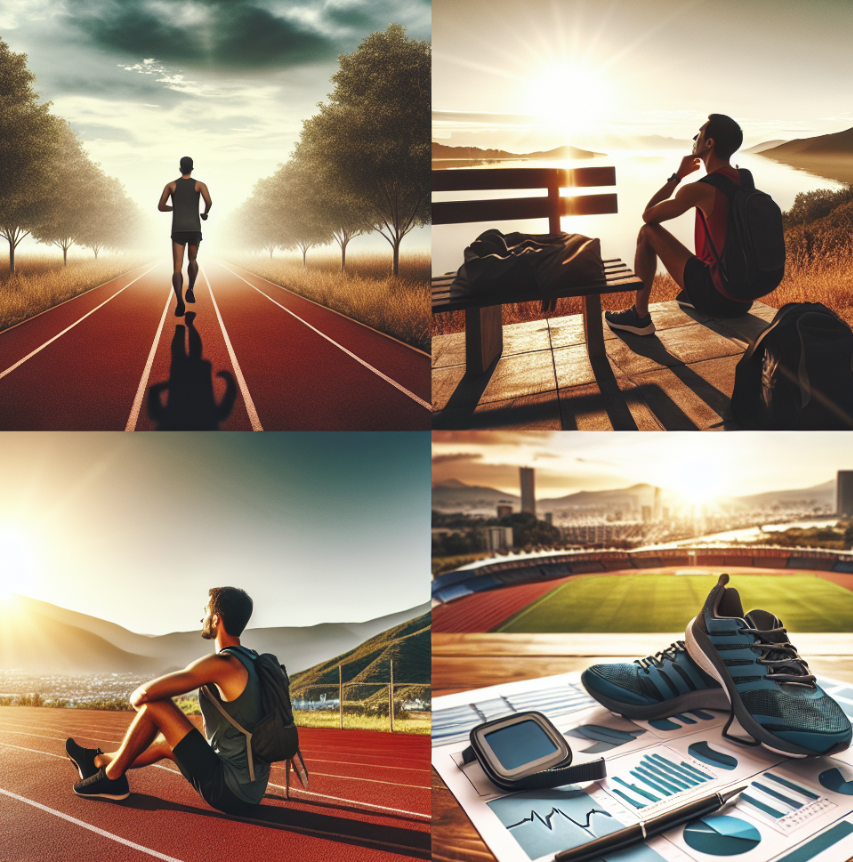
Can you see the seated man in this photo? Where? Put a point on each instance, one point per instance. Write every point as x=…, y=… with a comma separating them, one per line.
x=696, y=274
x=217, y=767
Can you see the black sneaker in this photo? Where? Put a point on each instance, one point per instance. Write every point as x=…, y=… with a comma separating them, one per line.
x=98, y=785
x=630, y=321
x=190, y=297
x=684, y=300
x=82, y=758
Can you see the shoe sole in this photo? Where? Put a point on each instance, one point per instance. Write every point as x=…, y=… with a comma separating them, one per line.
x=77, y=767
x=636, y=330
x=708, y=699
x=703, y=652
x=116, y=796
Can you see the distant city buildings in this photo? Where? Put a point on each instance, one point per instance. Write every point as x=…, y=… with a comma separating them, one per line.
x=844, y=493
x=497, y=538
x=528, y=490
x=504, y=509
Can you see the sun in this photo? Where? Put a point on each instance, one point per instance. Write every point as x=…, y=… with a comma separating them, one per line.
x=569, y=97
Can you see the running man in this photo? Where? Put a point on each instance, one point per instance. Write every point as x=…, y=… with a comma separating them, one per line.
x=218, y=766
x=696, y=274
x=186, y=227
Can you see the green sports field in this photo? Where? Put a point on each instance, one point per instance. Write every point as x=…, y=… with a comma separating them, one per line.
x=657, y=602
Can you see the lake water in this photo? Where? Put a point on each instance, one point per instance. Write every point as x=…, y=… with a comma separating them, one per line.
x=638, y=176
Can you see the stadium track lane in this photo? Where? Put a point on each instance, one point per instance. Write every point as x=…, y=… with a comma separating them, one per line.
x=76, y=383
x=186, y=828
x=299, y=380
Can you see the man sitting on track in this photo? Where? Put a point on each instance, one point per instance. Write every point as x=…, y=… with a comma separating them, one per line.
x=217, y=767
x=186, y=227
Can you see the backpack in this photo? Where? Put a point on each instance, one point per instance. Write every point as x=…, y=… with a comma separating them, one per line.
x=798, y=375
x=275, y=736
x=753, y=260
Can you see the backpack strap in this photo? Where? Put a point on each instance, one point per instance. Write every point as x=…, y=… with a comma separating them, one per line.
x=215, y=701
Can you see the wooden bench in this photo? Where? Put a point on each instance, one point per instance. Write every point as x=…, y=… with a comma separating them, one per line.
x=483, y=330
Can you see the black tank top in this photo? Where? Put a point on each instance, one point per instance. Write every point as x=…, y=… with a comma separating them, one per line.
x=185, y=206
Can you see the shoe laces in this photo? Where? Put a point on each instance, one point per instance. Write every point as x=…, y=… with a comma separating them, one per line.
x=777, y=655
x=671, y=652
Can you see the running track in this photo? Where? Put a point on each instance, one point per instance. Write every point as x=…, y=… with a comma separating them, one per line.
x=371, y=800
x=251, y=356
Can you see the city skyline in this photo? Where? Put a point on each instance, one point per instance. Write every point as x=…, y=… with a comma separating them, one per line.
x=724, y=465
x=135, y=529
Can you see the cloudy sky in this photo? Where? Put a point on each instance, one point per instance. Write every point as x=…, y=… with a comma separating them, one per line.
x=548, y=72
x=136, y=528
x=228, y=82
x=720, y=464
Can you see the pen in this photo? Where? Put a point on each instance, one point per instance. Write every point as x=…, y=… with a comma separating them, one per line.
x=654, y=826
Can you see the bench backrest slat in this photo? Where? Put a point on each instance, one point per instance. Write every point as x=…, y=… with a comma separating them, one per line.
x=477, y=179
x=507, y=209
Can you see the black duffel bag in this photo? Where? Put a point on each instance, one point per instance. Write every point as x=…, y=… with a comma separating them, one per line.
x=798, y=375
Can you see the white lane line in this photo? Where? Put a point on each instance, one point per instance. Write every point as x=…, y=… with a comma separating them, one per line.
x=247, y=399
x=349, y=353
x=143, y=383
x=369, y=780
x=30, y=355
x=132, y=844
x=353, y=802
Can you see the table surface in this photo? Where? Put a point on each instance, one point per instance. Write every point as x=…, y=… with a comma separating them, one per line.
x=462, y=662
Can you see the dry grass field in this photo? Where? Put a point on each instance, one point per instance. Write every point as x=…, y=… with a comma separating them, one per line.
x=41, y=281
x=366, y=292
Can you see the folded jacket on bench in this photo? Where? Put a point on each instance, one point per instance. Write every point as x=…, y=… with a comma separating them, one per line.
x=528, y=266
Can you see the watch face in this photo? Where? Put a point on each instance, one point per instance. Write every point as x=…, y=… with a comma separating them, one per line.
x=520, y=743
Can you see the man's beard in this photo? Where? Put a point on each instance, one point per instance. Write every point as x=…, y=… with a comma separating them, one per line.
x=207, y=631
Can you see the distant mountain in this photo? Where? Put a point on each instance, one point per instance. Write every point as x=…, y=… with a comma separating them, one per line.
x=406, y=644
x=760, y=148
x=442, y=151
x=50, y=639
x=459, y=497
x=827, y=155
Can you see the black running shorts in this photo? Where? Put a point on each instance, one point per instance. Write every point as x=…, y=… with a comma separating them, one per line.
x=201, y=766
x=182, y=237
x=705, y=297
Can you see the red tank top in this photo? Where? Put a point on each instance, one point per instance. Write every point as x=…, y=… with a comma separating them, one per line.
x=717, y=225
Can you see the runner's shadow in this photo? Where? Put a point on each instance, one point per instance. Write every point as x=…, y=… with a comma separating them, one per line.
x=343, y=830
x=190, y=401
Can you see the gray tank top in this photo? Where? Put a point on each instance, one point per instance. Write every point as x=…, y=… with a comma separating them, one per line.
x=185, y=206
x=228, y=742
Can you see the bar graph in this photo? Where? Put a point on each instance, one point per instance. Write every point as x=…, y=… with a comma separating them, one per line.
x=656, y=778
x=786, y=804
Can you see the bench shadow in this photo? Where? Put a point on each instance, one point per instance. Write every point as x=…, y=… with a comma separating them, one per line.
x=190, y=402
x=342, y=830
x=651, y=347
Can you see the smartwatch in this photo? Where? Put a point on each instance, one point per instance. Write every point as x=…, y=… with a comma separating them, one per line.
x=674, y=177
x=525, y=751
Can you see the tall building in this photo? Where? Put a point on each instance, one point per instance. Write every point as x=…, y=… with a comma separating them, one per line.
x=504, y=508
x=658, y=511
x=844, y=493
x=528, y=490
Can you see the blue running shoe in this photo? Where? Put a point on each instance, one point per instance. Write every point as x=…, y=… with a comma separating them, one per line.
x=657, y=686
x=773, y=695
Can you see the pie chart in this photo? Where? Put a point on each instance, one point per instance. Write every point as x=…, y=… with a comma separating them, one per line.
x=721, y=835
x=832, y=779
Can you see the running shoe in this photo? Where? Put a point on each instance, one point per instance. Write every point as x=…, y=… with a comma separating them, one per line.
x=99, y=786
x=82, y=758
x=657, y=686
x=629, y=321
x=190, y=295
x=773, y=695
x=684, y=300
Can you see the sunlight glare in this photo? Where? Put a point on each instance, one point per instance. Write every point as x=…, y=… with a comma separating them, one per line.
x=569, y=97
x=17, y=560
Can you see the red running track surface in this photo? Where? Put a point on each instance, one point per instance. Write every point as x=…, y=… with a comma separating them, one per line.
x=371, y=800
x=484, y=612
x=249, y=355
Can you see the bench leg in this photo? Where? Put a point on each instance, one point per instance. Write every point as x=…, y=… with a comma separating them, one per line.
x=592, y=330
x=483, y=338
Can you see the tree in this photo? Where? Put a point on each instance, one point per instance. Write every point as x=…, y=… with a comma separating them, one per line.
x=112, y=220
x=375, y=133
x=28, y=134
x=73, y=183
